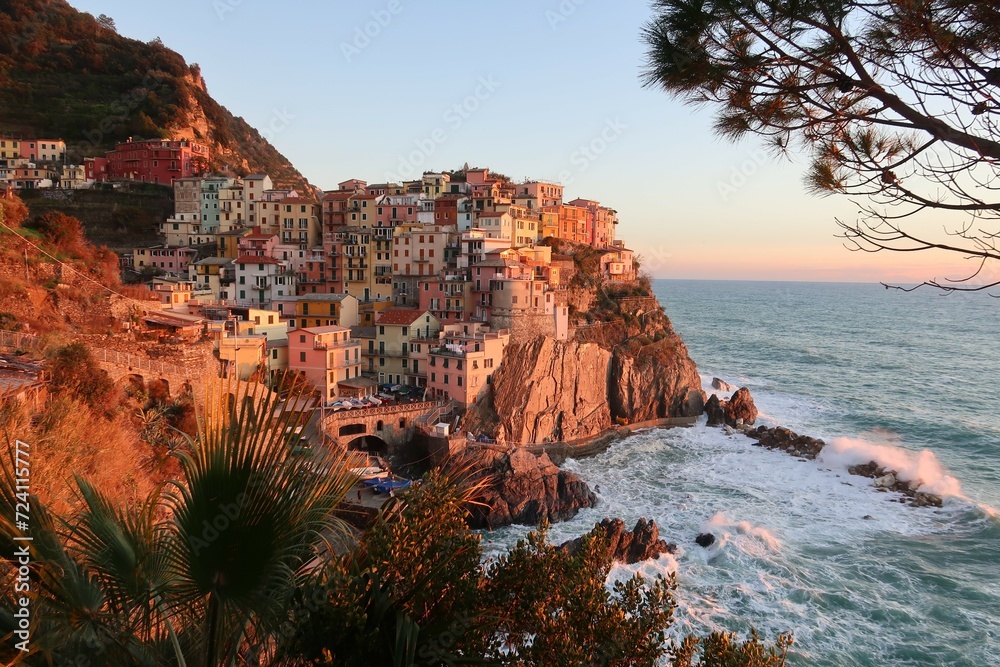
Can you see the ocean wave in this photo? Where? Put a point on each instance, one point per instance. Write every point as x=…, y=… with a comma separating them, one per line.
x=752, y=540
x=922, y=468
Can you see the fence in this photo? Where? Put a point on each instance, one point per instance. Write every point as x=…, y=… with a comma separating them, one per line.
x=17, y=340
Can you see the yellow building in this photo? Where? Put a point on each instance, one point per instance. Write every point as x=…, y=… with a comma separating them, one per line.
x=10, y=149
x=229, y=242
x=323, y=310
x=394, y=330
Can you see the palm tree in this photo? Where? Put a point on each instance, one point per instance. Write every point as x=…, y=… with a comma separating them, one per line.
x=200, y=572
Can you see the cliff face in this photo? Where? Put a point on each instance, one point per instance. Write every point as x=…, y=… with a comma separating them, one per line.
x=547, y=389
x=631, y=368
x=657, y=380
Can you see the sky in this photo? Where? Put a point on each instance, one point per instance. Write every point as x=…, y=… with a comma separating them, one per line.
x=383, y=90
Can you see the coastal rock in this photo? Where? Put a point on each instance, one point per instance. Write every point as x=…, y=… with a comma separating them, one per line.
x=549, y=389
x=654, y=381
x=560, y=391
x=525, y=489
x=721, y=385
x=870, y=469
x=640, y=544
x=716, y=413
x=705, y=540
x=741, y=407
x=921, y=499
x=885, y=482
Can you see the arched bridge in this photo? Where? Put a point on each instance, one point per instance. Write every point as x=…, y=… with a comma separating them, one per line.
x=394, y=424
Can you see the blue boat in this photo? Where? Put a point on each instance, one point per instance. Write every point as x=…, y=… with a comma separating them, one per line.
x=369, y=483
x=391, y=485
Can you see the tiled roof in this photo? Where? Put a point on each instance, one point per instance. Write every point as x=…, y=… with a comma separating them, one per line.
x=325, y=330
x=399, y=316
x=252, y=259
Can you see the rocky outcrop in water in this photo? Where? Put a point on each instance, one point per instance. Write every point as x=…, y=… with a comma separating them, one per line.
x=626, y=546
x=740, y=409
x=888, y=480
x=525, y=489
x=705, y=540
x=715, y=411
x=806, y=447
x=618, y=372
x=737, y=411
x=721, y=385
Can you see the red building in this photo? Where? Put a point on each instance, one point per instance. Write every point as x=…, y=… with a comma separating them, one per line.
x=446, y=209
x=96, y=169
x=157, y=161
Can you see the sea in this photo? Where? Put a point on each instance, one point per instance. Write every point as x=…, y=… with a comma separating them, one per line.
x=910, y=380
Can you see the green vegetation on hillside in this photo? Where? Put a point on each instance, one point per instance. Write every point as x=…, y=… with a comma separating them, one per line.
x=119, y=219
x=65, y=74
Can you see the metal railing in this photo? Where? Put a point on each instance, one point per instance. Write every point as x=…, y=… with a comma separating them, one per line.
x=17, y=340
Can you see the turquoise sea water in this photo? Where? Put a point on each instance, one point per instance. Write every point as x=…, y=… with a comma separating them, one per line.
x=910, y=380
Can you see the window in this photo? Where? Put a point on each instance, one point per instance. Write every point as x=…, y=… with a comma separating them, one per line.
x=459, y=380
x=446, y=378
x=433, y=375
x=302, y=338
x=302, y=356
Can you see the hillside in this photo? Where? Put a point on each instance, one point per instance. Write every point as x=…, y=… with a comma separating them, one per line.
x=119, y=219
x=64, y=74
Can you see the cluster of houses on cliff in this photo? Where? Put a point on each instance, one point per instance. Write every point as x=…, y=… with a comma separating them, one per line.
x=37, y=164
x=421, y=284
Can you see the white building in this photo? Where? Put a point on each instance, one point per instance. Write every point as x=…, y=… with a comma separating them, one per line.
x=261, y=280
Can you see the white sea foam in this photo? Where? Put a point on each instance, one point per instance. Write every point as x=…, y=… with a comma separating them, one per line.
x=759, y=540
x=922, y=467
x=791, y=545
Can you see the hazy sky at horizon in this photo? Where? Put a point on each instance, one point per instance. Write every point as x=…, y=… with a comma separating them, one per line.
x=546, y=90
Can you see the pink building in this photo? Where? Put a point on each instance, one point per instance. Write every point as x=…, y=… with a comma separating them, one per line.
x=258, y=245
x=330, y=359
x=601, y=221
x=462, y=365
x=448, y=298
x=172, y=261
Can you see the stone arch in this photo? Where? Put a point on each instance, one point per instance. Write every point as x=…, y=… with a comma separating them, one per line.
x=369, y=443
x=134, y=382
x=353, y=429
x=159, y=390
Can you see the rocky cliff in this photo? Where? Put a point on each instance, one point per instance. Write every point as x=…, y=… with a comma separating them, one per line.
x=525, y=489
x=623, y=367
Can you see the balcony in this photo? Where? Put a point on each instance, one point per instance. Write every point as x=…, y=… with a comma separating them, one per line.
x=336, y=345
x=261, y=284
x=446, y=352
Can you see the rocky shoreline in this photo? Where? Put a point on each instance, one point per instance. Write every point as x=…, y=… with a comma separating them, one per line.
x=739, y=414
